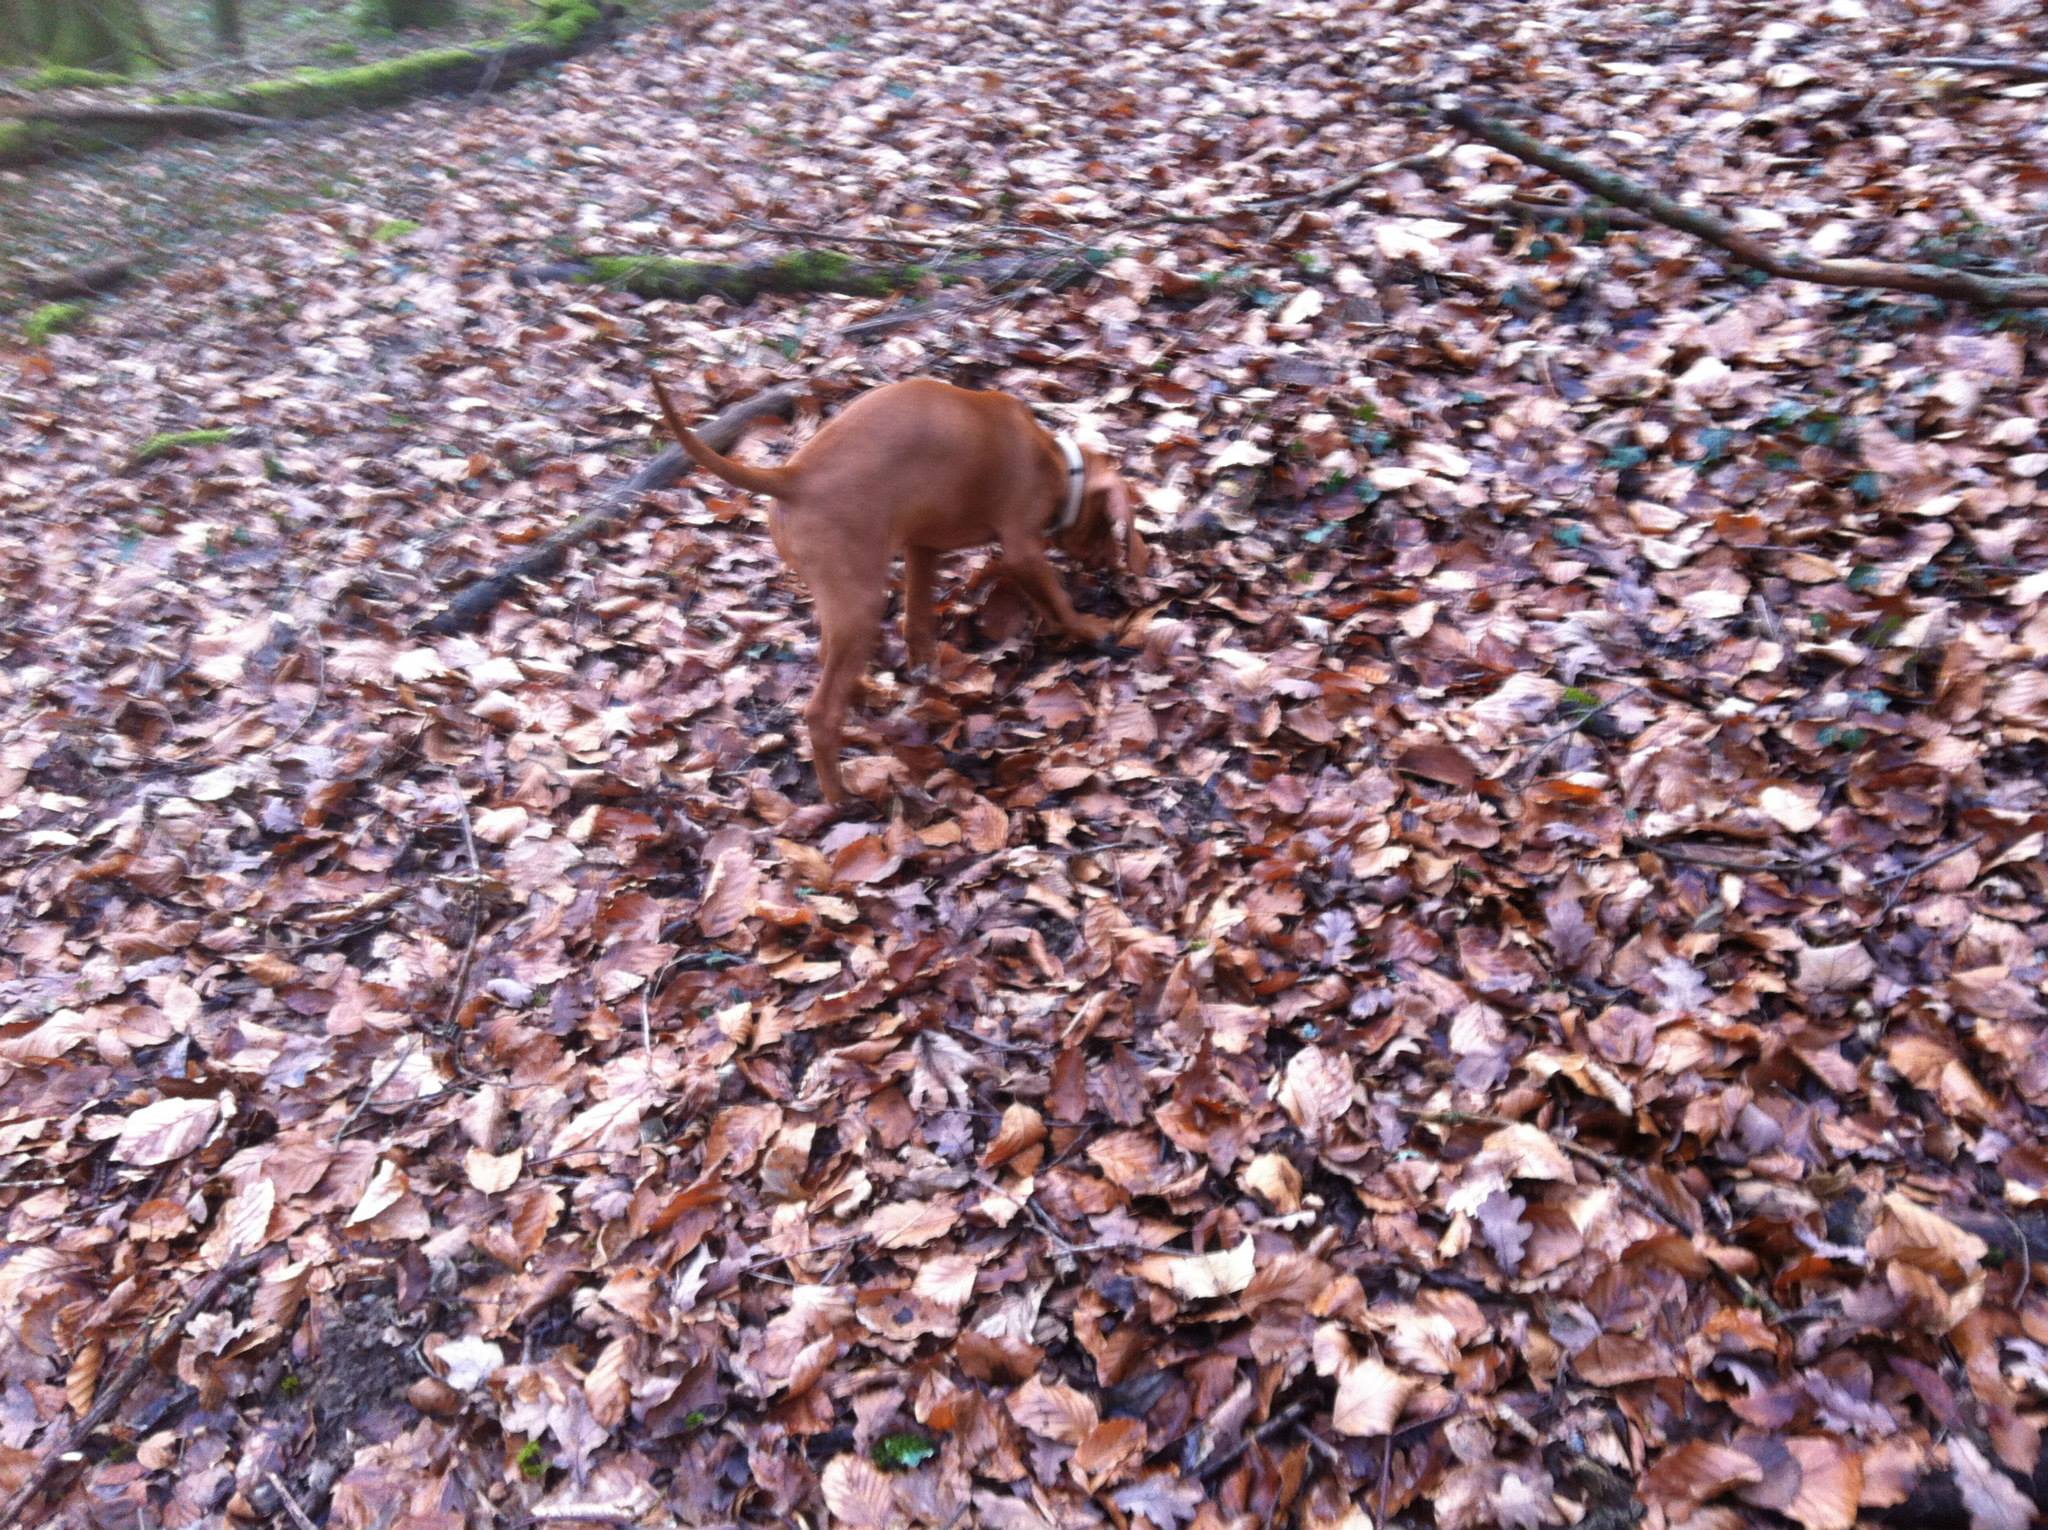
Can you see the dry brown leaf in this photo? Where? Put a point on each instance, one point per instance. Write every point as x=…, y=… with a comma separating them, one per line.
x=1056, y=1411
x=166, y=1129
x=860, y=1495
x=1370, y=1397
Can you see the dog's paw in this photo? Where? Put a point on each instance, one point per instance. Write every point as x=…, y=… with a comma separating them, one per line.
x=1091, y=629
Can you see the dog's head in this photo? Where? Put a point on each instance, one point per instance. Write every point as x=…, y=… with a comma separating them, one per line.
x=1105, y=531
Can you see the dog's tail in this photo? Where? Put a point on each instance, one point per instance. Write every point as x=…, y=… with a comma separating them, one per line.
x=756, y=480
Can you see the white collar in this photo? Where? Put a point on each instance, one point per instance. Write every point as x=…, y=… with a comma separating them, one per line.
x=1077, y=473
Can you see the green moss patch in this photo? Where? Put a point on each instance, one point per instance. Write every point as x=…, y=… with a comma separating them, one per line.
x=64, y=77
x=52, y=319
x=804, y=271
x=563, y=22
x=661, y=276
x=177, y=440
x=323, y=92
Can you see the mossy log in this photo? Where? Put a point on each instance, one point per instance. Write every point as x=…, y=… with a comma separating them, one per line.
x=481, y=598
x=563, y=28
x=660, y=276
x=156, y=120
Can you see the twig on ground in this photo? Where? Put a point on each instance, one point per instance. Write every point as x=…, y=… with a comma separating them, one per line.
x=377, y=1083
x=476, y=872
x=477, y=601
x=115, y=1392
x=1329, y=193
x=1623, y=1174
x=292, y=1507
x=1527, y=770
x=964, y=238
x=1932, y=281
x=1285, y=1418
x=647, y=1020
x=1689, y=857
x=1928, y=862
x=1897, y=882
x=2026, y=69
x=204, y=119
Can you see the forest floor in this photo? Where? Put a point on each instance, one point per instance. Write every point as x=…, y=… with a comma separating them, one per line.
x=1517, y=1000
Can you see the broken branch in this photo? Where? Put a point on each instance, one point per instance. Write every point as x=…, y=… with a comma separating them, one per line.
x=481, y=598
x=111, y=1396
x=2023, y=69
x=1932, y=281
x=182, y=119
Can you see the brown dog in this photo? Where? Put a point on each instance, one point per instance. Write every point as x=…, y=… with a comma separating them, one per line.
x=920, y=468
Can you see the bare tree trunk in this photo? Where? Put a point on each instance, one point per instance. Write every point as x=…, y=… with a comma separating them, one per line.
x=227, y=27
x=114, y=35
x=402, y=14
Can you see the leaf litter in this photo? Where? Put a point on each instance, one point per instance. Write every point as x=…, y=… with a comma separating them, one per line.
x=1517, y=1002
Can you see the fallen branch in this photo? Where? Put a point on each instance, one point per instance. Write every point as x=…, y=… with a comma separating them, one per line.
x=1319, y=195
x=116, y=1391
x=1650, y=1199
x=2025, y=69
x=168, y=119
x=1616, y=219
x=480, y=599
x=1933, y=281
x=1526, y=771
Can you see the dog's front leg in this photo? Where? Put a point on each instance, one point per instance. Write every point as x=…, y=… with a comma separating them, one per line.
x=1025, y=563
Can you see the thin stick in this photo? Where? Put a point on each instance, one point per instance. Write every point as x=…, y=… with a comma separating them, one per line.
x=646, y=1020
x=377, y=1083
x=1288, y=1415
x=319, y=696
x=2019, y=68
x=1528, y=770
x=1386, y=1471
x=115, y=1392
x=547, y=556
x=1328, y=193
x=1622, y=1174
x=2026, y=1258
x=1726, y=862
x=476, y=872
x=1928, y=863
x=292, y=1506
x=1933, y=281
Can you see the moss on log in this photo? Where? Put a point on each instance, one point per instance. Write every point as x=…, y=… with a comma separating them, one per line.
x=664, y=276
x=564, y=27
